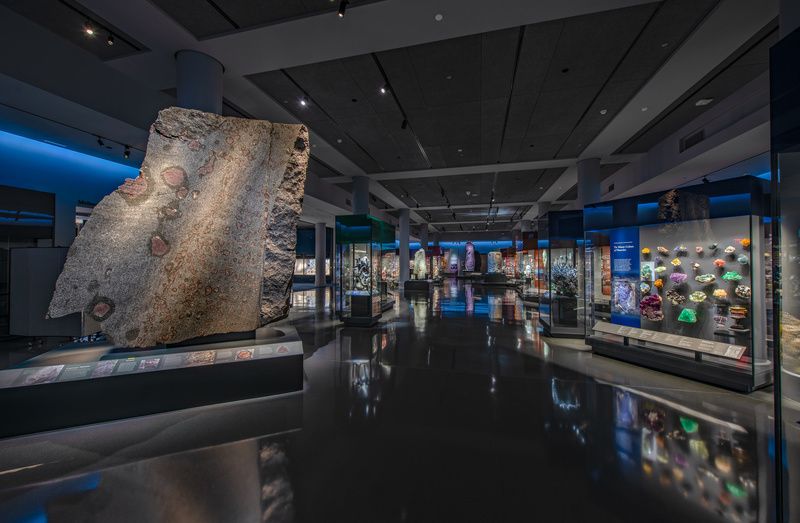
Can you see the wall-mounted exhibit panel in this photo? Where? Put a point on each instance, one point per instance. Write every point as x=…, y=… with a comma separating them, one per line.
x=362, y=242
x=561, y=304
x=671, y=279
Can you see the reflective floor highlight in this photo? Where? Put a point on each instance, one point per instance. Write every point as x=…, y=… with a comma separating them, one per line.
x=453, y=408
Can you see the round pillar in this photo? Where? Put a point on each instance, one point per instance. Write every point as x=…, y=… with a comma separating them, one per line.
x=360, y=195
x=199, y=81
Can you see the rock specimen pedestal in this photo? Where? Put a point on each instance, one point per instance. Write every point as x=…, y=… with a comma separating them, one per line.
x=201, y=242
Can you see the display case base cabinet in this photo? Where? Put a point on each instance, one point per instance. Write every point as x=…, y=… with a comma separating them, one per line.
x=416, y=286
x=28, y=410
x=695, y=369
x=495, y=279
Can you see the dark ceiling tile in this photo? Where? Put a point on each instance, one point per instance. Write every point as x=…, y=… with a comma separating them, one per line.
x=67, y=18
x=570, y=194
x=198, y=16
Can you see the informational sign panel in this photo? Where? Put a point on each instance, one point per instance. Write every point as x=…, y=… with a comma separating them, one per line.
x=625, y=276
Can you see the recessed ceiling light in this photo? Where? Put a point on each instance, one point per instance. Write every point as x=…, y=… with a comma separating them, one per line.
x=342, y=8
x=665, y=45
x=703, y=101
x=88, y=28
x=644, y=108
x=303, y=102
x=460, y=149
x=110, y=39
x=541, y=187
x=438, y=17
x=383, y=90
x=448, y=77
x=338, y=140
x=603, y=111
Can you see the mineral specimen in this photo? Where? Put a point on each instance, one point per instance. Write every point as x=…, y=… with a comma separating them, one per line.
x=675, y=297
x=705, y=278
x=650, y=308
x=663, y=251
x=719, y=262
x=743, y=291
x=698, y=296
x=713, y=247
x=645, y=251
x=745, y=242
x=156, y=266
x=698, y=249
x=644, y=288
x=720, y=294
x=658, y=283
x=730, y=249
x=565, y=280
x=676, y=262
x=680, y=250
x=678, y=278
x=420, y=265
x=738, y=312
x=660, y=269
x=469, y=257
x=647, y=273
x=696, y=266
x=625, y=296
x=743, y=260
x=731, y=276
x=688, y=316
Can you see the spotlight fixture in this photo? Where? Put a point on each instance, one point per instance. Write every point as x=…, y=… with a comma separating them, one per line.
x=438, y=17
x=342, y=8
x=603, y=111
x=303, y=102
x=705, y=180
x=88, y=28
x=127, y=153
x=100, y=142
x=383, y=90
x=404, y=124
x=110, y=39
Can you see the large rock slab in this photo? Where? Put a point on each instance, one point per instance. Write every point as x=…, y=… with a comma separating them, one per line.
x=201, y=242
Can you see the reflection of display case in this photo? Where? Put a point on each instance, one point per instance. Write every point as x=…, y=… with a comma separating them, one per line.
x=683, y=267
x=562, y=302
x=785, y=142
x=361, y=293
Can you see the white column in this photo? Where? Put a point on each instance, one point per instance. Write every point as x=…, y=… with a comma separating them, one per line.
x=437, y=237
x=542, y=208
x=319, y=254
x=199, y=81
x=404, y=233
x=360, y=195
x=423, y=237
x=588, y=181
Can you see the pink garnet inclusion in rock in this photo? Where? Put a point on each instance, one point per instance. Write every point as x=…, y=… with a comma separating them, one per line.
x=133, y=188
x=158, y=247
x=101, y=309
x=174, y=176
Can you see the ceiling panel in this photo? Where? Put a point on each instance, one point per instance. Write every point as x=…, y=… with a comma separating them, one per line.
x=67, y=19
x=746, y=64
x=525, y=186
x=207, y=18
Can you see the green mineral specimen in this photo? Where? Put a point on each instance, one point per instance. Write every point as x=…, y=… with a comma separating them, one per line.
x=647, y=273
x=688, y=316
x=731, y=276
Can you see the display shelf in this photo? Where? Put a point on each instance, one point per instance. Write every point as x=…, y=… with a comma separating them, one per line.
x=561, y=304
x=362, y=242
x=670, y=280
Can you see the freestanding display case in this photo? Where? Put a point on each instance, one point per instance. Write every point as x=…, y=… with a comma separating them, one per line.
x=683, y=267
x=785, y=124
x=361, y=293
x=530, y=268
x=561, y=305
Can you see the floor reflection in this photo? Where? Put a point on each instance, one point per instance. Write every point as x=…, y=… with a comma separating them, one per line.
x=451, y=409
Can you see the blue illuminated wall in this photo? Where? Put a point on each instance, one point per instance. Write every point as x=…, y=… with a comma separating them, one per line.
x=70, y=175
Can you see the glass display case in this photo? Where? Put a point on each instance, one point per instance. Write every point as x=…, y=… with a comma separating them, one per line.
x=389, y=267
x=494, y=261
x=361, y=292
x=785, y=143
x=436, y=264
x=671, y=278
x=561, y=304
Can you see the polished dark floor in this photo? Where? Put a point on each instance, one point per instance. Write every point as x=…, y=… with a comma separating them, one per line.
x=451, y=409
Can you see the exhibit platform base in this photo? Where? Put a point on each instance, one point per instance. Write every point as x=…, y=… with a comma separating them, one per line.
x=529, y=300
x=548, y=332
x=495, y=279
x=695, y=369
x=416, y=286
x=92, y=382
x=361, y=321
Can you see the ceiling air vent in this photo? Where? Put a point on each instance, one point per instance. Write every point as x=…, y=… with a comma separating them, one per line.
x=692, y=139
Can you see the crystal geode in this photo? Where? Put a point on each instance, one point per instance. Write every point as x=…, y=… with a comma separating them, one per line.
x=201, y=242
x=650, y=308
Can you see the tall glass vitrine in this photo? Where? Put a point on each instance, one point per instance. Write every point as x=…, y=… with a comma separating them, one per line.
x=361, y=292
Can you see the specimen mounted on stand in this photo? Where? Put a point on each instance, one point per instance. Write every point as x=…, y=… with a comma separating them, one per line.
x=201, y=242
